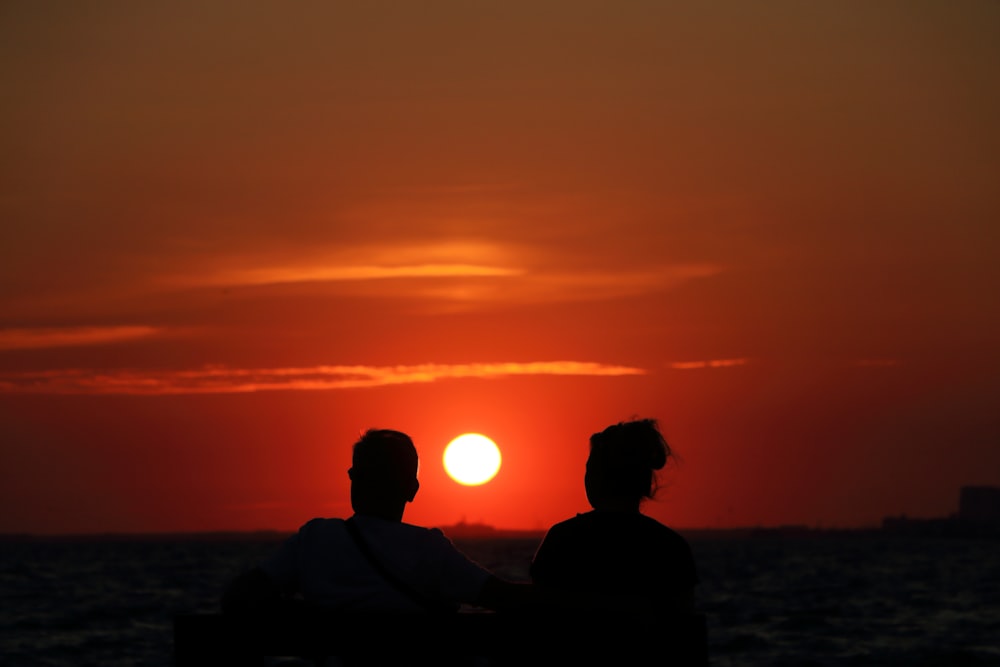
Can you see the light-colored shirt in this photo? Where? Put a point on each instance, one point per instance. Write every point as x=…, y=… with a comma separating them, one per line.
x=323, y=564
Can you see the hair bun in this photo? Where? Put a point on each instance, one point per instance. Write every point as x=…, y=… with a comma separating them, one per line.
x=650, y=443
x=636, y=443
x=657, y=454
x=625, y=456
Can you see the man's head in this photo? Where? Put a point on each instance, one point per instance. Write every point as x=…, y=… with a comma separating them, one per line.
x=383, y=473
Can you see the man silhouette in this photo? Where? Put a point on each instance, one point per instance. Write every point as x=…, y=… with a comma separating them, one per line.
x=373, y=561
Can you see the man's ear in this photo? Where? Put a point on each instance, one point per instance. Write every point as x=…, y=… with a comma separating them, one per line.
x=350, y=474
x=413, y=491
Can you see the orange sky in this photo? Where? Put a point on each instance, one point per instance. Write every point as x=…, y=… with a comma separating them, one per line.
x=234, y=235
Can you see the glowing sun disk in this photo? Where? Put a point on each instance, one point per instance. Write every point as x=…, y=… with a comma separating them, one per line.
x=472, y=459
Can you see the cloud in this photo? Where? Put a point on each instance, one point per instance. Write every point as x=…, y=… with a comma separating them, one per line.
x=38, y=338
x=353, y=263
x=224, y=380
x=710, y=363
x=453, y=272
x=291, y=274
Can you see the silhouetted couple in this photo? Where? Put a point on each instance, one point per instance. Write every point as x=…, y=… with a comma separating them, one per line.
x=611, y=557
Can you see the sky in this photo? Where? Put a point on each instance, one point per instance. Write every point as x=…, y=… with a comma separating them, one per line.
x=235, y=235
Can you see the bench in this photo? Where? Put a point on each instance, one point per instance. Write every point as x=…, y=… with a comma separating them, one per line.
x=216, y=639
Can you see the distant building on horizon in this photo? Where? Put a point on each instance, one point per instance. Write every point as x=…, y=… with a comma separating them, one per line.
x=978, y=515
x=980, y=504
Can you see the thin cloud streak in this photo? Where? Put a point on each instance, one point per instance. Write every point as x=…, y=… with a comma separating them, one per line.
x=352, y=263
x=283, y=275
x=40, y=338
x=711, y=363
x=222, y=380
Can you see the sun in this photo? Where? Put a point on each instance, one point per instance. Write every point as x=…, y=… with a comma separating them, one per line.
x=472, y=459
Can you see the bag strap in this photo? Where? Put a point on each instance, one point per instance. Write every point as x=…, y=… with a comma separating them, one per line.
x=399, y=585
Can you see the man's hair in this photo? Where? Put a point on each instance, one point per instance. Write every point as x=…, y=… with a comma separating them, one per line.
x=385, y=454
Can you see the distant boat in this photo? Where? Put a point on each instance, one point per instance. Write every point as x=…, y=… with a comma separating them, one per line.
x=468, y=531
x=464, y=529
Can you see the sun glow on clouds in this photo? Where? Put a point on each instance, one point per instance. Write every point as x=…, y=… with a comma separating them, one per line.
x=280, y=275
x=28, y=339
x=219, y=380
x=346, y=263
x=448, y=271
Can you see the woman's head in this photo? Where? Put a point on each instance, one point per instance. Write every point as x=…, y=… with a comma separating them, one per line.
x=624, y=458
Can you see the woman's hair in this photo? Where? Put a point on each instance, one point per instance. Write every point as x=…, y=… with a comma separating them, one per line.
x=625, y=456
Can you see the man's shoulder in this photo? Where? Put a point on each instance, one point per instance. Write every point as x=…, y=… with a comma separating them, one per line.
x=318, y=530
x=323, y=521
x=422, y=533
x=320, y=524
x=377, y=528
x=424, y=530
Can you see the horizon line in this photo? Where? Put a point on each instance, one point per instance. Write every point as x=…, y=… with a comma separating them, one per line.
x=113, y=534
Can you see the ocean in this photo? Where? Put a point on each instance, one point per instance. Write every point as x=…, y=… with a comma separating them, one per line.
x=854, y=599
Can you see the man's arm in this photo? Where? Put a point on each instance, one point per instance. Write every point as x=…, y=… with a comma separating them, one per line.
x=252, y=591
x=500, y=595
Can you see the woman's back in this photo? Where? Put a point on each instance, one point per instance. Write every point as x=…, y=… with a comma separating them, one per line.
x=615, y=553
x=615, y=549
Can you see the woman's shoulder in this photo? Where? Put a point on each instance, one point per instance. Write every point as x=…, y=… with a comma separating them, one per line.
x=633, y=528
x=569, y=529
x=581, y=521
x=664, y=531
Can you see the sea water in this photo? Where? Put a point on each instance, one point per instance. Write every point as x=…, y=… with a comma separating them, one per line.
x=825, y=599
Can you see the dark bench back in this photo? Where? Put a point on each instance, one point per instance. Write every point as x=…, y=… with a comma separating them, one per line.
x=214, y=639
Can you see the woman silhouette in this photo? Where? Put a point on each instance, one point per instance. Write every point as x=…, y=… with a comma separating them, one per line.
x=615, y=549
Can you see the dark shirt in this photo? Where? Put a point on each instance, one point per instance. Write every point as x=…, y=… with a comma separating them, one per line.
x=615, y=553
